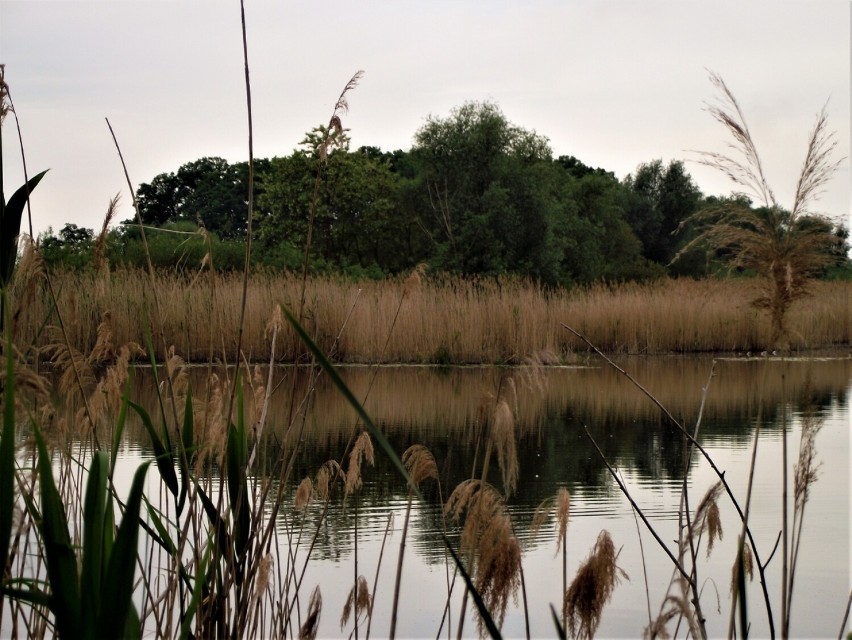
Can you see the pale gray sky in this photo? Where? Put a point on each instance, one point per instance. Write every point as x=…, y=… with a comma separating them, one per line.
x=613, y=82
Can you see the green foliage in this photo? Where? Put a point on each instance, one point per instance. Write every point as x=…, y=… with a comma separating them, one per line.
x=208, y=191
x=95, y=600
x=657, y=200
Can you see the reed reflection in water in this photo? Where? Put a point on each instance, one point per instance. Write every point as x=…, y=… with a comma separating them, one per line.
x=440, y=409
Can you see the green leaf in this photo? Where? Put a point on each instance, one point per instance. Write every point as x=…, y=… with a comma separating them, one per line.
x=164, y=539
x=118, y=583
x=163, y=456
x=94, y=554
x=59, y=554
x=187, y=446
x=10, y=227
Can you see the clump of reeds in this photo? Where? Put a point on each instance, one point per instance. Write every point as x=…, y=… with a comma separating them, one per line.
x=785, y=247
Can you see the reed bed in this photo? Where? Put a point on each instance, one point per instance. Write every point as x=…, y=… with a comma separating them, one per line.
x=439, y=320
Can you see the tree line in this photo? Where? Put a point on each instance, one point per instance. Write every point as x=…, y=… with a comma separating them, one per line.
x=475, y=195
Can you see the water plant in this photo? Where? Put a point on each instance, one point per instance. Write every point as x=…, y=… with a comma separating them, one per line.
x=784, y=247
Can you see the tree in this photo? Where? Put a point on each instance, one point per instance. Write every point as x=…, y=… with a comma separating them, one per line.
x=786, y=248
x=355, y=220
x=478, y=199
x=659, y=198
x=208, y=191
x=72, y=247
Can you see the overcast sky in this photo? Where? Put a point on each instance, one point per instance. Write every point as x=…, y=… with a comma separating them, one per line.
x=613, y=82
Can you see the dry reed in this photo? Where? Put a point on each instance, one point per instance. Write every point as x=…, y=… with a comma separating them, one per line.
x=592, y=588
x=447, y=320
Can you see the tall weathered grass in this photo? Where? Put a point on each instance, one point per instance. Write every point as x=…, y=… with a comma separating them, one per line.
x=444, y=320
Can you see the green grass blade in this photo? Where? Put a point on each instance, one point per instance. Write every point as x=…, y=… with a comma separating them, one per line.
x=163, y=456
x=118, y=583
x=133, y=627
x=7, y=454
x=59, y=554
x=94, y=554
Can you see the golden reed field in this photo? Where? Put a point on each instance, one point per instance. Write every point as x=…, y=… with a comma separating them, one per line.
x=422, y=319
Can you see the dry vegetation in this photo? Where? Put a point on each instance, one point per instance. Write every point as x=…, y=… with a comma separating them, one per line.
x=440, y=320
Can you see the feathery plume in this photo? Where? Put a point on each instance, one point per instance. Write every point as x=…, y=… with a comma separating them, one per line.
x=592, y=588
x=303, y=494
x=362, y=450
x=357, y=600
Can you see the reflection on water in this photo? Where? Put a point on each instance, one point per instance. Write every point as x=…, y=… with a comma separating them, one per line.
x=441, y=409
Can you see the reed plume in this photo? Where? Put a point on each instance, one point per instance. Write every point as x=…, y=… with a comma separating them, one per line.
x=101, y=263
x=329, y=471
x=304, y=492
x=358, y=602
x=707, y=517
x=488, y=532
x=420, y=463
x=362, y=450
x=592, y=588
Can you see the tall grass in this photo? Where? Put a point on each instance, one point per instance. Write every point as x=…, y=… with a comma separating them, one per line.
x=444, y=320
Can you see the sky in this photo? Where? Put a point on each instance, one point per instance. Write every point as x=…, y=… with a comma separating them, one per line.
x=613, y=82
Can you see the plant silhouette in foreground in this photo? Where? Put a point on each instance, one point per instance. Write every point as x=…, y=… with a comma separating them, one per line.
x=785, y=247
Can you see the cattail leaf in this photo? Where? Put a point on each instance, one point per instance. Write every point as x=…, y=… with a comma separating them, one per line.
x=32, y=595
x=59, y=554
x=163, y=456
x=10, y=227
x=237, y=486
x=118, y=582
x=133, y=626
x=186, y=442
x=165, y=538
x=94, y=556
x=7, y=454
x=237, y=455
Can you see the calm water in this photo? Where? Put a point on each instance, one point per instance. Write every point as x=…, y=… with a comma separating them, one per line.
x=439, y=409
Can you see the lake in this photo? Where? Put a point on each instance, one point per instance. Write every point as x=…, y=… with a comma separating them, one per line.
x=441, y=408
